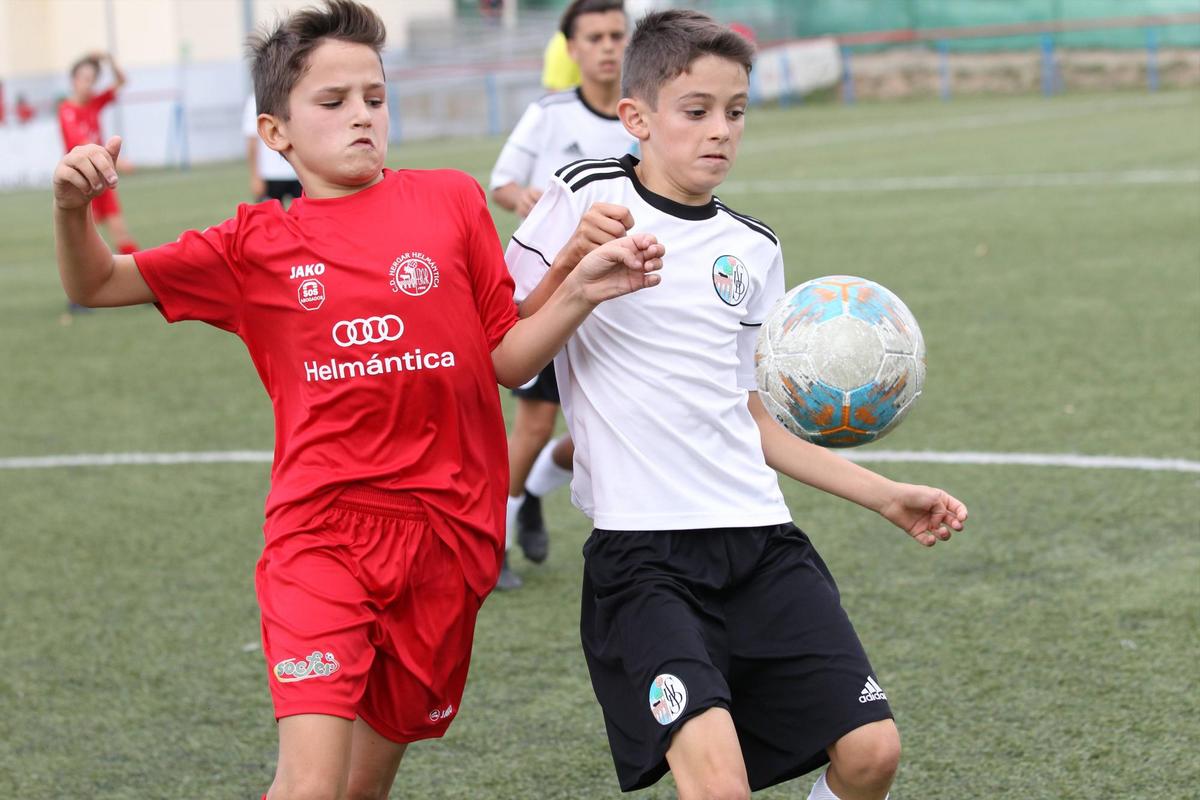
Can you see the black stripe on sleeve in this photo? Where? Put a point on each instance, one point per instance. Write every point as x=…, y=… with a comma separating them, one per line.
x=749, y=222
x=532, y=250
x=595, y=176
x=751, y=324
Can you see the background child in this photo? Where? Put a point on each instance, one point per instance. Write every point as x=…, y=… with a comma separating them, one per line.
x=558, y=129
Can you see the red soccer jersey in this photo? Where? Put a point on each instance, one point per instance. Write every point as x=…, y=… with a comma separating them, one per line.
x=81, y=123
x=371, y=319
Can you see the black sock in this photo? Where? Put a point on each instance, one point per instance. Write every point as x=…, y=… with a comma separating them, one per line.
x=530, y=513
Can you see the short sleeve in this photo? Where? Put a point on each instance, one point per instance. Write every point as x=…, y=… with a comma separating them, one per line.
x=250, y=118
x=198, y=276
x=760, y=304
x=490, y=281
x=519, y=155
x=104, y=98
x=543, y=233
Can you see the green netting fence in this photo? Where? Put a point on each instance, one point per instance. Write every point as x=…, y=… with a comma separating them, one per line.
x=777, y=19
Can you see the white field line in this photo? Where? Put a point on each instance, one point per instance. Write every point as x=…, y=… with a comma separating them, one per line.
x=1132, y=177
x=1070, y=460
x=893, y=130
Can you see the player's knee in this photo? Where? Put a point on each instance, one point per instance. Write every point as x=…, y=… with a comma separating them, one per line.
x=868, y=757
x=535, y=425
x=727, y=787
x=311, y=787
x=367, y=793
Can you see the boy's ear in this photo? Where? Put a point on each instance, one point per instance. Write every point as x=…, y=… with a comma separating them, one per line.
x=632, y=112
x=274, y=133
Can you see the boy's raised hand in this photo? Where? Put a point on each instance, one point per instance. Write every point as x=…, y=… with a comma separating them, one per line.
x=925, y=513
x=85, y=172
x=599, y=225
x=620, y=267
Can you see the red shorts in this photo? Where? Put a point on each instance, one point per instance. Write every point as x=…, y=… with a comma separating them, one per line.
x=105, y=205
x=366, y=613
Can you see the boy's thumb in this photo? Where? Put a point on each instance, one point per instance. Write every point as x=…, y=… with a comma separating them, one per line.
x=113, y=146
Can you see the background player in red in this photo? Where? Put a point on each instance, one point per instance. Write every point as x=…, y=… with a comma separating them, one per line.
x=79, y=117
x=378, y=311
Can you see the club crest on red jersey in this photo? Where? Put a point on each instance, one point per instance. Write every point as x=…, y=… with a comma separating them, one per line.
x=414, y=274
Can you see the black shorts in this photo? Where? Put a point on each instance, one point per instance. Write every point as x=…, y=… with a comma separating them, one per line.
x=278, y=190
x=543, y=387
x=748, y=619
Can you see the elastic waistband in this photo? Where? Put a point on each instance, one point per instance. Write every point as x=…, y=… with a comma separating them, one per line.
x=380, y=502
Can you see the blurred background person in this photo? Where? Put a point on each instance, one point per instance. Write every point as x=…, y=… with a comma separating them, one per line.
x=558, y=129
x=79, y=118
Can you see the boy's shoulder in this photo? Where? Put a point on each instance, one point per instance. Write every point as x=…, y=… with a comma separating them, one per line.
x=558, y=98
x=753, y=223
x=586, y=171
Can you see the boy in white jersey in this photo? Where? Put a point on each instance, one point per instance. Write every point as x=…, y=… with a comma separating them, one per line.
x=556, y=130
x=713, y=632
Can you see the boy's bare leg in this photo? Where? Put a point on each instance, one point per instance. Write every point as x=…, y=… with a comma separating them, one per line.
x=564, y=453
x=863, y=762
x=374, y=760
x=314, y=758
x=533, y=425
x=706, y=759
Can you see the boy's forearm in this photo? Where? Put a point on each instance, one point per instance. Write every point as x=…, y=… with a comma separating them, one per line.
x=533, y=342
x=84, y=261
x=546, y=288
x=506, y=196
x=816, y=466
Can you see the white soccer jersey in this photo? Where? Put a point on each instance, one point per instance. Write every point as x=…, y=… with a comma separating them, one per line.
x=654, y=384
x=270, y=164
x=556, y=130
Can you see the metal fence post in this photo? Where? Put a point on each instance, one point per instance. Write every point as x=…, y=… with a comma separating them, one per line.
x=1152, y=58
x=944, y=67
x=1048, y=70
x=847, y=77
x=493, y=104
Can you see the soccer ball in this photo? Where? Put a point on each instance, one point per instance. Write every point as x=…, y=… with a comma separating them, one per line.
x=840, y=361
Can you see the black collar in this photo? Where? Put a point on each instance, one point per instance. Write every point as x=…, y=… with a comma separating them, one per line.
x=597, y=112
x=665, y=204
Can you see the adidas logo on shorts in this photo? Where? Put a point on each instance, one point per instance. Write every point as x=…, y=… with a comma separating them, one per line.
x=872, y=691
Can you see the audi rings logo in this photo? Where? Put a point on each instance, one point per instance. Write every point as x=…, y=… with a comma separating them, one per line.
x=371, y=330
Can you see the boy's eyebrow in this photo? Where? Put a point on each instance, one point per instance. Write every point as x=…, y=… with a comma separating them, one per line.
x=344, y=89
x=707, y=96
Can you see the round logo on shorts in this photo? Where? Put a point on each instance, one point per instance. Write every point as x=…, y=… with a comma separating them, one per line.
x=668, y=698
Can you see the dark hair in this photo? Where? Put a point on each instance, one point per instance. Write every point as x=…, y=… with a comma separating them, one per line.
x=665, y=45
x=279, y=58
x=86, y=61
x=580, y=7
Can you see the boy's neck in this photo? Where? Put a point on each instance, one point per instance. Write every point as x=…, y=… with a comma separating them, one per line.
x=329, y=191
x=601, y=97
x=661, y=183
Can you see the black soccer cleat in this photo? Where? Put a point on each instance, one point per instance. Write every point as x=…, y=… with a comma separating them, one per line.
x=508, y=579
x=531, y=530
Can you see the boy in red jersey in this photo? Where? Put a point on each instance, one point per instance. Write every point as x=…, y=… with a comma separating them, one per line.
x=378, y=311
x=79, y=118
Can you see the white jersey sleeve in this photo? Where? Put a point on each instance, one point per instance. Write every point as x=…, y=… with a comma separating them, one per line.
x=544, y=232
x=250, y=118
x=520, y=153
x=757, y=309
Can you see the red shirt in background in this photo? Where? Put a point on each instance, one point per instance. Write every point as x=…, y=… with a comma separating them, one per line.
x=81, y=123
x=371, y=319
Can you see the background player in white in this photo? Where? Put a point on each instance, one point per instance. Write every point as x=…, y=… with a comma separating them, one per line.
x=556, y=130
x=713, y=632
